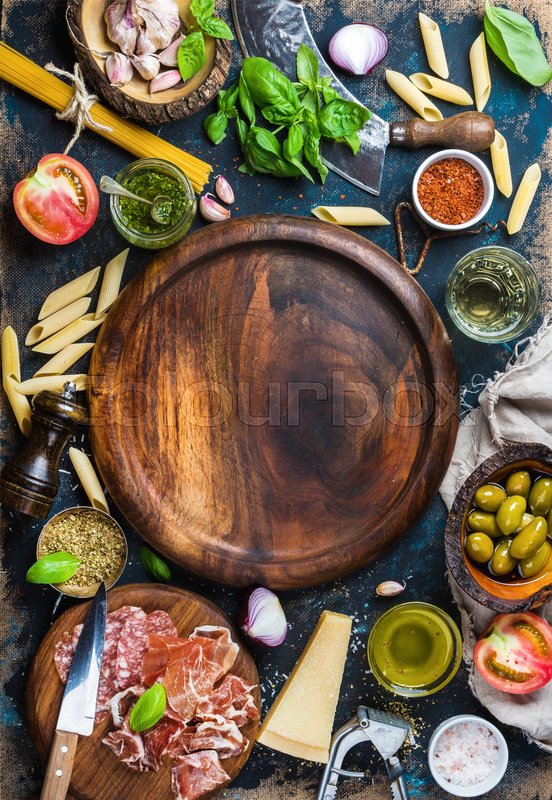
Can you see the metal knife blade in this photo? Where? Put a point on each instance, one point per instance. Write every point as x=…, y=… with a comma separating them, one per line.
x=275, y=29
x=78, y=706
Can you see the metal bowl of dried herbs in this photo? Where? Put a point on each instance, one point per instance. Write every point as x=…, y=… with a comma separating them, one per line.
x=97, y=541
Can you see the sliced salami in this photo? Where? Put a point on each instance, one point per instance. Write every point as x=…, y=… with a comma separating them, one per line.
x=131, y=647
x=159, y=623
x=63, y=655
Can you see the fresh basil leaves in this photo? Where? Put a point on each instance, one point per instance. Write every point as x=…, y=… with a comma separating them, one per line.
x=514, y=41
x=306, y=110
x=149, y=708
x=154, y=566
x=53, y=568
x=191, y=53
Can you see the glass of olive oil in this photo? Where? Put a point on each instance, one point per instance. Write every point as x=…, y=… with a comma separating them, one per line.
x=493, y=294
x=414, y=649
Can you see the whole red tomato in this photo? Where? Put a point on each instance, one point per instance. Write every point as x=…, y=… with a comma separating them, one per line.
x=59, y=201
x=515, y=653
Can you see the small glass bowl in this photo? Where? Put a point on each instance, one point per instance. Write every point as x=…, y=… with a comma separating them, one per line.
x=85, y=591
x=154, y=241
x=449, y=669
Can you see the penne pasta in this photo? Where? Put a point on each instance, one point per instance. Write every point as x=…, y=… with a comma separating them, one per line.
x=481, y=77
x=87, y=476
x=523, y=198
x=58, y=320
x=52, y=383
x=111, y=282
x=69, y=292
x=350, y=215
x=76, y=330
x=61, y=362
x=433, y=44
x=441, y=89
x=19, y=404
x=501, y=164
x=412, y=96
x=10, y=355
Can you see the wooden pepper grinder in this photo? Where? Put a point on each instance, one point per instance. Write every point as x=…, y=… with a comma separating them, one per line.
x=29, y=482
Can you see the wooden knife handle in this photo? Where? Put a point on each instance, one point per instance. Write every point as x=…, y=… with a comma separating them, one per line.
x=470, y=130
x=60, y=766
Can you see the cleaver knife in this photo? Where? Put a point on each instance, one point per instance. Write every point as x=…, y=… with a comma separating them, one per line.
x=78, y=706
x=274, y=29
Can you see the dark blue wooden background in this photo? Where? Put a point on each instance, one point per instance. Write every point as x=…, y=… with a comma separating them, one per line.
x=32, y=269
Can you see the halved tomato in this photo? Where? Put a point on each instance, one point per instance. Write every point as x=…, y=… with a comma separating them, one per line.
x=59, y=201
x=515, y=653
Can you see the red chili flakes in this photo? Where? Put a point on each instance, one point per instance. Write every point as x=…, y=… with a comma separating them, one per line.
x=451, y=191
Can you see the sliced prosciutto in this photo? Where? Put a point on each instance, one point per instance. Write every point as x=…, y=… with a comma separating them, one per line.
x=217, y=733
x=128, y=746
x=231, y=699
x=196, y=774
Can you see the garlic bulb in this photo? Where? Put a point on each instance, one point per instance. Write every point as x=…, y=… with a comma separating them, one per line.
x=142, y=26
x=118, y=69
x=147, y=66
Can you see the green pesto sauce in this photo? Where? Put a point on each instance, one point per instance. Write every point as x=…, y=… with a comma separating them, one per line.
x=413, y=648
x=150, y=185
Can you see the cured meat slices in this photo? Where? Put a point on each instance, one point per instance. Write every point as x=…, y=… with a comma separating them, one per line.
x=160, y=623
x=217, y=645
x=160, y=651
x=128, y=746
x=231, y=699
x=190, y=677
x=217, y=733
x=196, y=774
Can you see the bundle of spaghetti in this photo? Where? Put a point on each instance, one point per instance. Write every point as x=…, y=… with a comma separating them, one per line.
x=20, y=71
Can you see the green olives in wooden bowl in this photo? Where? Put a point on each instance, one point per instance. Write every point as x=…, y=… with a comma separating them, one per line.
x=498, y=538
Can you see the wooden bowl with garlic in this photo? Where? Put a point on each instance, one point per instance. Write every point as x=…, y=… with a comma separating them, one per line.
x=129, y=53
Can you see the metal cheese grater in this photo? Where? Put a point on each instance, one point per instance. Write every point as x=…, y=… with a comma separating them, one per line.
x=387, y=733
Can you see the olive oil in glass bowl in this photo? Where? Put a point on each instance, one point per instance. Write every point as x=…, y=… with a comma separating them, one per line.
x=493, y=294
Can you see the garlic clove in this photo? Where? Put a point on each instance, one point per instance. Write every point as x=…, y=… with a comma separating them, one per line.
x=169, y=56
x=118, y=69
x=390, y=588
x=211, y=210
x=147, y=66
x=164, y=80
x=224, y=190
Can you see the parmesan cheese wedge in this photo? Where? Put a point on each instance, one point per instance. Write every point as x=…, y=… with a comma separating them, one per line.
x=300, y=722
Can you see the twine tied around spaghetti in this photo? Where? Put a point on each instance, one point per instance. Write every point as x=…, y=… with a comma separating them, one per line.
x=77, y=110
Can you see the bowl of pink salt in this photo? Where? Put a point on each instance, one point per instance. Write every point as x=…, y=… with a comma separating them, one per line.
x=467, y=755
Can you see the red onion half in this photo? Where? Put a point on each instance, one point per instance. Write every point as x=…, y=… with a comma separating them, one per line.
x=358, y=48
x=265, y=621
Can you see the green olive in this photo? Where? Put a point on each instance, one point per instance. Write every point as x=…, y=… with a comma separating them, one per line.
x=510, y=514
x=525, y=520
x=479, y=547
x=483, y=522
x=540, y=496
x=502, y=562
x=489, y=497
x=549, y=520
x=530, y=539
x=519, y=483
x=532, y=565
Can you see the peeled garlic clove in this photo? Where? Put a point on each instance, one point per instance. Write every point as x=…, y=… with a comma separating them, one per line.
x=169, y=56
x=390, y=589
x=224, y=190
x=164, y=80
x=211, y=210
x=118, y=69
x=147, y=66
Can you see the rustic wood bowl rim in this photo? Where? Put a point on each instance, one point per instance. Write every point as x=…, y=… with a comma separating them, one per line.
x=515, y=454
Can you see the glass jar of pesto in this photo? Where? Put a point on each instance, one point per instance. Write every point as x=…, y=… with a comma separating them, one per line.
x=149, y=178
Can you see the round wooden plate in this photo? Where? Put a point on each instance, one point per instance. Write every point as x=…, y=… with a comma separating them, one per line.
x=273, y=401
x=97, y=774
x=85, y=19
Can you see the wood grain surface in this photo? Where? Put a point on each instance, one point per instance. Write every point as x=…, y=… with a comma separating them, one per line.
x=97, y=774
x=85, y=19
x=273, y=402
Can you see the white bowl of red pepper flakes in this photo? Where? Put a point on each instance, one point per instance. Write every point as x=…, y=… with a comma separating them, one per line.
x=452, y=190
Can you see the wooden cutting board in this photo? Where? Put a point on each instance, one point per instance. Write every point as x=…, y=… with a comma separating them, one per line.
x=97, y=774
x=273, y=401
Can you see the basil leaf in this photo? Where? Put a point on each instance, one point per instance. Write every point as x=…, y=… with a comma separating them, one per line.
x=328, y=92
x=341, y=118
x=307, y=66
x=154, y=565
x=53, y=568
x=246, y=103
x=353, y=140
x=514, y=41
x=243, y=130
x=283, y=114
x=191, y=55
x=216, y=27
x=149, y=708
x=202, y=9
x=215, y=126
x=264, y=154
x=294, y=142
x=267, y=85
x=311, y=101
x=227, y=99
x=311, y=149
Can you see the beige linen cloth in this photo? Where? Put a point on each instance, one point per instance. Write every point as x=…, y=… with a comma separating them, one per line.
x=515, y=406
